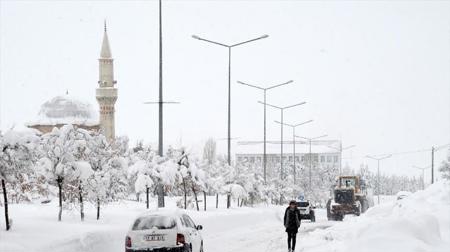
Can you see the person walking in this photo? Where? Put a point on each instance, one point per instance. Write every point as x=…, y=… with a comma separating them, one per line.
x=292, y=221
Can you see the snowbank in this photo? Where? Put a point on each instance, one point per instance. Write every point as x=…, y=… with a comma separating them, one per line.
x=420, y=222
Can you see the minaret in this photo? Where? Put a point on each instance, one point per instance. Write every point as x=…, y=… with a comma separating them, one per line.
x=106, y=93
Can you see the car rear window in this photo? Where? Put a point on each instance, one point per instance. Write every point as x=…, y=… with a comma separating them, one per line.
x=149, y=222
x=303, y=204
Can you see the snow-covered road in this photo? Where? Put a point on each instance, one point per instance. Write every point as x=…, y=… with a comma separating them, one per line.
x=238, y=229
x=252, y=230
x=390, y=227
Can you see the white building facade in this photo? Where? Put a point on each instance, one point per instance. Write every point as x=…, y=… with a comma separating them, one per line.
x=252, y=152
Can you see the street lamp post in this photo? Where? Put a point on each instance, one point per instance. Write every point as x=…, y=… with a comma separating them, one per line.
x=310, y=140
x=265, y=92
x=340, y=149
x=282, y=112
x=293, y=126
x=423, y=173
x=378, y=172
x=229, y=81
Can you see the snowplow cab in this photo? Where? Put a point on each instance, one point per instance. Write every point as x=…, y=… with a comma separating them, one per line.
x=348, y=197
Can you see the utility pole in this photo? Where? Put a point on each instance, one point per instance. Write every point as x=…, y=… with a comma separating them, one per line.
x=229, y=81
x=423, y=174
x=340, y=149
x=432, y=164
x=160, y=102
x=282, y=112
x=161, y=202
x=160, y=105
x=310, y=140
x=265, y=141
x=378, y=172
x=293, y=126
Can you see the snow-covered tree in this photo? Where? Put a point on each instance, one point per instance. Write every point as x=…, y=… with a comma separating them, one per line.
x=16, y=158
x=209, y=151
x=148, y=170
x=141, y=171
x=214, y=176
x=445, y=167
x=235, y=191
x=108, y=181
x=61, y=148
x=82, y=172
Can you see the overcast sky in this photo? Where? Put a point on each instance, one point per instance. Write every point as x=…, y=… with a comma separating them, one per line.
x=373, y=73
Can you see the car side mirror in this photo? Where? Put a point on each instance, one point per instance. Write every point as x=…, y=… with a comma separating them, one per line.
x=199, y=227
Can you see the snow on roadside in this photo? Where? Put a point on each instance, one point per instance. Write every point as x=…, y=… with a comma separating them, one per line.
x=420, y=222
x=36, y=227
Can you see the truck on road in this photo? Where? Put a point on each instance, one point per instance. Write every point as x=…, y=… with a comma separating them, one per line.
x=349, y=196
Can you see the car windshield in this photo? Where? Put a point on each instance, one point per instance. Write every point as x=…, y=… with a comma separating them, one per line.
x=149, y=222
x=347, y=182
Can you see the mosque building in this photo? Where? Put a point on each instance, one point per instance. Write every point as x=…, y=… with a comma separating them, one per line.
x=64, y=109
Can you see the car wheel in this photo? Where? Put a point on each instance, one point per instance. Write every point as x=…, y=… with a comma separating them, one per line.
x=187, y=248
x=358, y=208
x=329, y=214
x=313, y=217
x=365, y=205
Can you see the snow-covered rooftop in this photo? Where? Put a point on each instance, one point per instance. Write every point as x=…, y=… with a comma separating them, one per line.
x=66, y=110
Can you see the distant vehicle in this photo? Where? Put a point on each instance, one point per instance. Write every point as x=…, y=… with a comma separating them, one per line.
x=171, y=231
x=350, y=196
x=403, y=194
x=306, y=210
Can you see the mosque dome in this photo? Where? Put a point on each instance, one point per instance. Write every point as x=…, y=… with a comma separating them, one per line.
x=66, y=110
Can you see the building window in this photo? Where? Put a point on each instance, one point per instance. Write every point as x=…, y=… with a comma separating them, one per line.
x=322, y=159
x=329, y=159
x=290, y=158
x=316, y=158
x=335, y=159
x=296, y=158
x=303, y=158
x=252, y=159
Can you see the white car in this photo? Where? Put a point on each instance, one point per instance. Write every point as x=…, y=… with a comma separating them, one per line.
x=162, y=230
x=306, y=210
x=403, y=194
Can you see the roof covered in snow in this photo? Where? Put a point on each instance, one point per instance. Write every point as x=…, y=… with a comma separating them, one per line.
x=66, y=110
x=273, y=147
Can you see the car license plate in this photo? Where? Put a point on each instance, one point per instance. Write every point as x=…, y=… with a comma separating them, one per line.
x=154, y=237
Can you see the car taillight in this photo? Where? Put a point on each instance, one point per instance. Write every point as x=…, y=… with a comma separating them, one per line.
x=128, y=242
x=180, y=239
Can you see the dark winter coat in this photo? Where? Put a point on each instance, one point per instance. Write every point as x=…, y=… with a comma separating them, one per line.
x=292, y=220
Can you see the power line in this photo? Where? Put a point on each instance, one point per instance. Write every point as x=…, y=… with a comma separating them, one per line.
x=441, y=147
